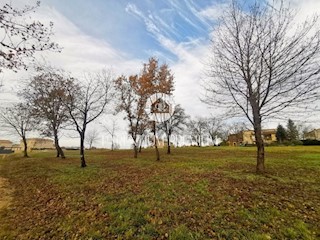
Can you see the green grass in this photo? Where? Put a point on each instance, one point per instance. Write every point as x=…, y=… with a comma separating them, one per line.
x=195, y=193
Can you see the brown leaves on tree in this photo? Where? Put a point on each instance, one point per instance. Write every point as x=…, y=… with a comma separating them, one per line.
x=153, y=79
x=20, y=38
x=47, y=92
x=134, y=90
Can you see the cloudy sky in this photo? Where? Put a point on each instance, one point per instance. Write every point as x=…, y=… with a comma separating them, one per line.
x=123, y=34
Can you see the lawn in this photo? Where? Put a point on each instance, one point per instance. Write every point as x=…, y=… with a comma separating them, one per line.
x=196, y=193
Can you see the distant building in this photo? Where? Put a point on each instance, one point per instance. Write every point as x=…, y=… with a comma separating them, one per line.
x=6, y=144
x=160, y=142
x=313, y=135
x=16, y=148
x=247, y=137
x=38, y=144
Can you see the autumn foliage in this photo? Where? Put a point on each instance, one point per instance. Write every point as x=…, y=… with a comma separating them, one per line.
x=134, y=90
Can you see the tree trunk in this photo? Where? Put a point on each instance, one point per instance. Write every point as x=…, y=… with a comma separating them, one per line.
x=260, y=168
x=25, y=150
x=168, y=144
x=199, y=142
x=140, y=148
x=157, y=150
x=135, y=151
x=82, y=158
x=60, y=152
x=141, y=140
x=156, y=141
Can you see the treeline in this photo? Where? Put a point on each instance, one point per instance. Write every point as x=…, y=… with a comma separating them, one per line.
x=52, y=101
x=292, y=134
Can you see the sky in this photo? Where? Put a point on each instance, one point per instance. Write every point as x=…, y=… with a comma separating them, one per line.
x=121, y=35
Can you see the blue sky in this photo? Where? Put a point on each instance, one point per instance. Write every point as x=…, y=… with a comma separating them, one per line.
x=135, y=27
x=121, y=35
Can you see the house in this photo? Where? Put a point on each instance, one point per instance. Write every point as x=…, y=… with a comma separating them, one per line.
x=160, y=142
x=247, y=137
x=16, y=147
x=6, y=144
x=313, y=135
x=38, y=144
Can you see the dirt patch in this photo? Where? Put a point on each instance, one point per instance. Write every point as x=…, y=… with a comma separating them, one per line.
x=5, y=193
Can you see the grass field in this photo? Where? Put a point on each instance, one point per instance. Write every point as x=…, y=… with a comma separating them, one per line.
x=196, y=193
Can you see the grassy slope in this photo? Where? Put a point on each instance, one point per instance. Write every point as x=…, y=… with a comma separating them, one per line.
x=196, y=193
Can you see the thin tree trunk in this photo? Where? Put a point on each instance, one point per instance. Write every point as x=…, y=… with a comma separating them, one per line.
x=157, y=150
x=156, y=141
x=60, y=152
x=82, y=158
x=25, y=150
x=135, y=151
x=140, y=145
x=260, y=168
x=141, y=140
x=140, y=148
x=168, y=144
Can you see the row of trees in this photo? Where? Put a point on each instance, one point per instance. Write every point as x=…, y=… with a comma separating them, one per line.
x=53, y=101
x=262, y=64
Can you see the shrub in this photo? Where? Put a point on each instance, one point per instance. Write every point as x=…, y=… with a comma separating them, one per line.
x=310, y=142
x=296, y=142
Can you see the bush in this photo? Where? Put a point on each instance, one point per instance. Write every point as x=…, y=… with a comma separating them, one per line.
x=249, y=145
x=296, y=142
x=224, y=143
x=310, y=142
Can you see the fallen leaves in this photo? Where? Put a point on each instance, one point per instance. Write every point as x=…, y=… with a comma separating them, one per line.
x=186, y=196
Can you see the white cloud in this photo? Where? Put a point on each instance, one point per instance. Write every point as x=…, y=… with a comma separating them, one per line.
x=213, y=12
x=188, y=69
x=81, y=53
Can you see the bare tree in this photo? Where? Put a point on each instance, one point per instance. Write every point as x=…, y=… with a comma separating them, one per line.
x=21, y=37
x=236, y=127
x=91, y=137
x=197, y=130
x=111, y=131
x=174, y=125
x=303, y=128
x=88, y=102
x=145, y=129
x=142, y=137
x=47, y=92
x=214, y=128
x=134, y=106
x=263, y=63
x=19, y=119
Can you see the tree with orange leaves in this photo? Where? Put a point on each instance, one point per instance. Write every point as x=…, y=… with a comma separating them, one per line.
x=133, y=92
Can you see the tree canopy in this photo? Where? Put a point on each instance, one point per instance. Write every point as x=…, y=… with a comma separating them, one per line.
x=263, y=63
x=22, y=37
